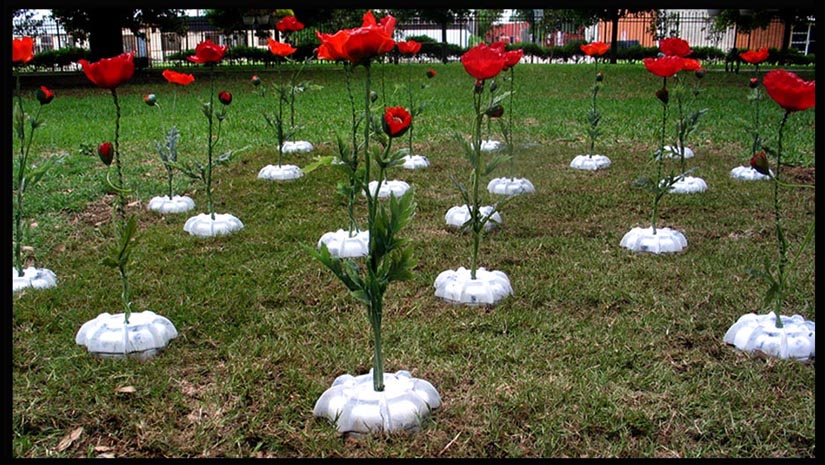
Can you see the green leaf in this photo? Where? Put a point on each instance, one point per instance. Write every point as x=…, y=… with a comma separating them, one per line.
x=319, y=162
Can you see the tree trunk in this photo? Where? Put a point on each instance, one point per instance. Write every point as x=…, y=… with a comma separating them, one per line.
x=444, y=42
x=787, y=21
x=105, y=35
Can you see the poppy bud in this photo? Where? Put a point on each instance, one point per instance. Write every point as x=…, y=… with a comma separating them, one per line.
x=493, y=86
x=256, y=81
x=44, y=95
x=225, y=97
x=106, y=153
x=430, y=73
x=662, y=95
x=754, y=83
x=150, y=99
x=759, y=162
x=479, y=86
x=373, y=96
x=599, y=76
x=495, y=111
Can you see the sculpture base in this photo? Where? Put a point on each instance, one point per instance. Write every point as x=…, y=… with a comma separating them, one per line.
x=342, y=245
x=758, y=333
x=747, y=173
x=643, y=240
x=414, y=162
x=298, y=146
x=165, y=205
x=456, y=286
x=590, y=162
x=280, y=173
x=109, y=336
x=38, y=278
x=356, y=407
x=203, y=225
x=510, y=186
x=460, y=214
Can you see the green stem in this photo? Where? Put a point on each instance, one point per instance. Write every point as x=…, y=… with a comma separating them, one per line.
x=124, y=294
x=121, y=201
x=756, y=97
x=353, y=182
x=475, y=213
x=209, y=116
x=595, y=111
x=377, y=357
x=682, y=128
x=412, y=104
x=780, y=235
x=21, y=180
x=512, y=110
x=660, y=191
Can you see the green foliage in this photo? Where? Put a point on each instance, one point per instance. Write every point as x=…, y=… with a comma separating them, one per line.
x=59, y=58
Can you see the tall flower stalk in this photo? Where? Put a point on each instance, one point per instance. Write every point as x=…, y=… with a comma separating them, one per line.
x=168, y=148
x=482, y=62
x=22, y=53
x=511, y=59
x=388, y=259
x=685, y=124
x=594, y=50
x=210, y=54
x=664, y=67
x=755, y=57
x=408, y=49
x=792, y=94
x=109, y=73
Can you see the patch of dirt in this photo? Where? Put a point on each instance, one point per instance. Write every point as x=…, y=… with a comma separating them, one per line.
x=799, y=175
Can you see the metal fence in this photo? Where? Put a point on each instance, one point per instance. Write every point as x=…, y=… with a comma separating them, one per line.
x=158, y=48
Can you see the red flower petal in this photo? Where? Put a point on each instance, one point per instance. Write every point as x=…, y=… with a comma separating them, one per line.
x=789, y=90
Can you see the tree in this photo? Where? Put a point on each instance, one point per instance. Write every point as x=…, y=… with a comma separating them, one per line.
x=748, y=20
x=103, y=27
x=24, y=24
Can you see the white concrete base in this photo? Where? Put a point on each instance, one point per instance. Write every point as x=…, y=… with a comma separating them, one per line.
x=672, y=152
x=460, y=214
x=280, y=173
x=109, y=336
x=643, y=240
x=490, y=145
x=747, y=173
x=203, y=225
x=38, y=278
x=342, y=245
x=590, y=162
x=688, y=185
x=414, y=162
x=391, y=187
x=758, y=333
x=510, y=186
x=298, y=146
x=488, y=288
x=356, y=408
x=165, y=205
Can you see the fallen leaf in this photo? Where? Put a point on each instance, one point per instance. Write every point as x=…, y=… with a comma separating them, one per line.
x=126, y=389
x=103, y=448
x=69, y=439
x=107, y=455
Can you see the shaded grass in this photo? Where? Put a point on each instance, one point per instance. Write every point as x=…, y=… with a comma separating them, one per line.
x=599, y=353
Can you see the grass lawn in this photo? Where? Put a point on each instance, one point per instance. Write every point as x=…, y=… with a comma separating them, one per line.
x=600, y=352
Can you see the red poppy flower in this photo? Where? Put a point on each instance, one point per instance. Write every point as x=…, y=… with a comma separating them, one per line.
x=674, y=46
x=512, y=58
x=431, y=73
x=483, y=61
x=755, y=57
x=150, y=99
x=44, y=95
x=280, y=49
x=256, y=81
x=690, y=64
x=208, y=52
x=331, y=45
x=665, y=66
x=396, y=121
x=106, y=153
x=225, y=97
x=599, y=76
x=759, y=162
x=108, y=73
x=175, y=77
x=789, y=90
x=22, y=50
x=595, y=49
x=289, y=24
x=361, y=43
x=409, y=47
x=753, y=83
